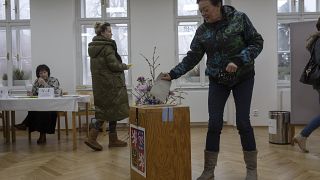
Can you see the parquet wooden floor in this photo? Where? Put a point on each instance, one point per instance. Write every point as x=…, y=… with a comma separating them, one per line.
x=56, y=160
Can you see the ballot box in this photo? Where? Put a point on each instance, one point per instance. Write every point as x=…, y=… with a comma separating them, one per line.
x=160, y=142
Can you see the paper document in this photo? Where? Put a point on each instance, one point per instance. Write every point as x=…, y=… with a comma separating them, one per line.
x=161, y=88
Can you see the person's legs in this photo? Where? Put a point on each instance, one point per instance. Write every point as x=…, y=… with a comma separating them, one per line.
x=218, y=95
x=112, y=126
x=23, y=124
x=93, y=134
x=311, y=126
x=301, y=138
x=242, y=94
x=42, y=138
x=113, y=136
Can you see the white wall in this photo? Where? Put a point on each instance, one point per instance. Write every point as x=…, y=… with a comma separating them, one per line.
x=263, y=15
x=152, y=24
x=53, y=39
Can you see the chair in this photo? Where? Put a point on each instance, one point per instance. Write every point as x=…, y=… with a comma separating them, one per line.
x=65, y=114
x=82, y=109
x=81, y=112
x=3, y=124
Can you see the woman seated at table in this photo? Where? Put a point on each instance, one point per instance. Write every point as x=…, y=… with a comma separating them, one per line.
x=41, y=121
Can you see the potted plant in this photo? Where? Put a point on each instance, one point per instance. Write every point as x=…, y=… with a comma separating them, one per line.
x=4, y=79
x=19, y=77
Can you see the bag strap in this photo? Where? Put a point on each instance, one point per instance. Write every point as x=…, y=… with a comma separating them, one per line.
x=312, y=52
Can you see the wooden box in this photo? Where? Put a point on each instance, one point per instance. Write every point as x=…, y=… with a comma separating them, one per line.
x=167, y=149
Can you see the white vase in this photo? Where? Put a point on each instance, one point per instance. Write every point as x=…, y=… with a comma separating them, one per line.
x=5, y=82
x=18, y=82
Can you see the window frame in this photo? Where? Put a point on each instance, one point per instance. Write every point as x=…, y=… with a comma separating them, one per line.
x=90, y=21
x=9, y=25
x=190, y=18
x=204, y=82
x=290, y=17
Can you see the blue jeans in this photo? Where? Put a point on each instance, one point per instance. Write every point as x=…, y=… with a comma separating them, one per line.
x=218, y=95
x=311, y=126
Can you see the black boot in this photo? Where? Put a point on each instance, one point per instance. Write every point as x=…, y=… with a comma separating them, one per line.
x=42, y=139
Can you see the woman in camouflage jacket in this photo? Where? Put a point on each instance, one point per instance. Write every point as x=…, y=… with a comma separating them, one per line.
x=231, y=44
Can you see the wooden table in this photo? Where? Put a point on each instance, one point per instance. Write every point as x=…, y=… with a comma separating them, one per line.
x=24, y=103
x=160, y=145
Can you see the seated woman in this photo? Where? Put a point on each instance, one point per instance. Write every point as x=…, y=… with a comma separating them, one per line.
x=41, y=121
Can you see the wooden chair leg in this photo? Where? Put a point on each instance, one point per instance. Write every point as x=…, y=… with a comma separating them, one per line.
x=7, y=118
x=3, y=125
x=29, y=136
x=87, y=119
x=66, y=122
x=13, y=129
x=58, y=122
x=79, y=118
x=87, y=127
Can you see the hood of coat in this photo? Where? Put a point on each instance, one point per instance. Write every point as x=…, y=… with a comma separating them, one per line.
x=98, y=43
x=227, y=14
x=228, y=11
x=312, y=39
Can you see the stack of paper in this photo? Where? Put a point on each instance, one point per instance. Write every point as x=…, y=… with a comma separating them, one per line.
x=161, y=88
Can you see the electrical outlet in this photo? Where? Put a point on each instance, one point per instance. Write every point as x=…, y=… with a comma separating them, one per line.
x=255, y=113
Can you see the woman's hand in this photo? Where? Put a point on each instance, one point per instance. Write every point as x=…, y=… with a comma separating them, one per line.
x=41, y=81
x=231, y=67
x=166, y=77
x=129, y=66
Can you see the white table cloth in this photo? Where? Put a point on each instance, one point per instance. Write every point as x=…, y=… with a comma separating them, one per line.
x=25, y=103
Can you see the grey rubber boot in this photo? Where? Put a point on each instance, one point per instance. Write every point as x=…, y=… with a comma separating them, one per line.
x=301, y=141
x=250, y=158
x=210, y=162
x=92, y=140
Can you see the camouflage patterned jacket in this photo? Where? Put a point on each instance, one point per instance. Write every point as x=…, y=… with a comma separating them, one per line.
x=108, y=80
x=51, y=83
x=232, y=39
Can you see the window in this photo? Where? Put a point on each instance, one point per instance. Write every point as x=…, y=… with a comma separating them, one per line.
x=15, y=44
x=291, y=11
x=113, y=11
x=187, y=21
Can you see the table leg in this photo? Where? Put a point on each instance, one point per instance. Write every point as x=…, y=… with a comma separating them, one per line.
x=74, y=130
x=13, y=129
x=87, y=119
x=7, y=117
x=66, y=122
x=4, y=124
x=58, y=119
